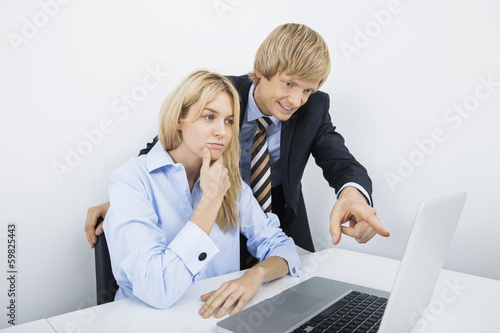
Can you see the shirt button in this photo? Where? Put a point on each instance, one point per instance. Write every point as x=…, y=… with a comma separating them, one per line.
x=202, y=256
x=247, y=150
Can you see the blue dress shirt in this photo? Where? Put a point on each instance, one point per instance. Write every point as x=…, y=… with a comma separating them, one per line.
x=156, y=252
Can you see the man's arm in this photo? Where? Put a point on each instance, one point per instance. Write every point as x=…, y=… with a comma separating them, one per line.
x=352, y=207
x=340, y=168
x=94, y=213
x=149, y=145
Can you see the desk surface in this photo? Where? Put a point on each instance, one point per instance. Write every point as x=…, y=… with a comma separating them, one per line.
x=461, y=302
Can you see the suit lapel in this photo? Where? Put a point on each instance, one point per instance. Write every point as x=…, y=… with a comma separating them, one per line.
x=287, y=129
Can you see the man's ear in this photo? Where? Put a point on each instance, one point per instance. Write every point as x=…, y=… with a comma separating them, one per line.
x=258, y=74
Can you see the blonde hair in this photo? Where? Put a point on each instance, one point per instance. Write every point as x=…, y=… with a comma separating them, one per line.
x=204, y=86
x=294, y=49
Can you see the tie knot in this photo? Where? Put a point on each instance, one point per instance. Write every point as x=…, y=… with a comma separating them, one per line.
x=263, y=123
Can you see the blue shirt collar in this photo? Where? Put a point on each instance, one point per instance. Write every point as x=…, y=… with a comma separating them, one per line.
x=158, y=157
x=253, y=112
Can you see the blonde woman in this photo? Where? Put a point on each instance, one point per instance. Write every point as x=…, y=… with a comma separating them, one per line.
x=176, y=213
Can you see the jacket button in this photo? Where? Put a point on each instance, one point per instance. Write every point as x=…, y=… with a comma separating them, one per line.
x=202, y=256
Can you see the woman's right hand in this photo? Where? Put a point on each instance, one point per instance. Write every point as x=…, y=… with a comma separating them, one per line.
x=214, y=182
x=214, y=179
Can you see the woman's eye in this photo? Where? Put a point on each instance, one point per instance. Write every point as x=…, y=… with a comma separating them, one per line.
x=230, y=121
x=209, y=117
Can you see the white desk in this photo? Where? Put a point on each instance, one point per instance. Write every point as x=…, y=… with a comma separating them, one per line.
x=461, y=302
x=38, y=326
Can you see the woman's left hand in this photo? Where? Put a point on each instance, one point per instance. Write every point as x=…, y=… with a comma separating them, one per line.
x=235, y=292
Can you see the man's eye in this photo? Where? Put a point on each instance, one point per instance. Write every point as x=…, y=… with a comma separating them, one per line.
x=308, y=91
x=288, y=84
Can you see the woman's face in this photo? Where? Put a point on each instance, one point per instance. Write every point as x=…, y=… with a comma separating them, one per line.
x=213, y=129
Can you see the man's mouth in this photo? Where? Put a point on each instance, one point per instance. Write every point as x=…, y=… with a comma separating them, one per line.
x=285, y=107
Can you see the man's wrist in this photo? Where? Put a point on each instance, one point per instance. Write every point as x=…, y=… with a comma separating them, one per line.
x=353, y=193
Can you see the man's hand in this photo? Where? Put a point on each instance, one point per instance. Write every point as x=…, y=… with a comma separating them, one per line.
x=93, y=214
x=352, y=207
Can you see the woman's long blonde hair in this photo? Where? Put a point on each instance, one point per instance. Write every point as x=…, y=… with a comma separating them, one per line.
x=204, y=86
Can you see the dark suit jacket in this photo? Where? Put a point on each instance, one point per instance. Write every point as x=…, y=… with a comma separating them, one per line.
x=308, y=131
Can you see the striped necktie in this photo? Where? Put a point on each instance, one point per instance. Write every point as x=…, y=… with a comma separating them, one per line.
x=260, y=178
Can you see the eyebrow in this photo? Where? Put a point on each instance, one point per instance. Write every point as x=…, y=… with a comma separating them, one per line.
x=215, y=111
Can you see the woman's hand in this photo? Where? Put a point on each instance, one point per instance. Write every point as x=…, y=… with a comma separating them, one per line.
x=232, y=293
x=214, y=182
x=238, y=292
x=214, y=179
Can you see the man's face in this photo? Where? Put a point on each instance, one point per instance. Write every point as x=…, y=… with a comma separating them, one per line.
x=282, y=95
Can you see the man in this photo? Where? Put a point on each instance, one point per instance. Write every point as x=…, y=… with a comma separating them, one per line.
x=290, y=66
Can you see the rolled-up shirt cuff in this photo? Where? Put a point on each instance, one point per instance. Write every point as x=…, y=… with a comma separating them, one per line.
x=360, y=188
x=194, y=247
x=290, y=256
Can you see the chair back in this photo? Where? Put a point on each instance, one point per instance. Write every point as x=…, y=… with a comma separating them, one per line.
x=106, y=285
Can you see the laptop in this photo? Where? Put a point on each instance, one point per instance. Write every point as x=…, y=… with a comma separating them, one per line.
x=321, y=305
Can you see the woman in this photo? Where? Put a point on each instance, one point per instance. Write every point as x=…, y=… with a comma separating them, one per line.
x=176, y=213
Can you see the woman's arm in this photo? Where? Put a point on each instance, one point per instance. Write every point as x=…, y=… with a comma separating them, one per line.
x=268, y=243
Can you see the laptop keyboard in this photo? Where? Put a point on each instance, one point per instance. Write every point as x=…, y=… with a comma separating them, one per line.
x=356, y=312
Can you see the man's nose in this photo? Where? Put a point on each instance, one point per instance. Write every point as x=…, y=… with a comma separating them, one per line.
x=296, y=99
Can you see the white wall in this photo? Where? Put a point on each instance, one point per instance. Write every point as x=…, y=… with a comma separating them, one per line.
x=67, y=68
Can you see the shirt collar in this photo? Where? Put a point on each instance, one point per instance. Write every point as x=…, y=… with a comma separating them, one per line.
x=158, y=157
x=253, y=112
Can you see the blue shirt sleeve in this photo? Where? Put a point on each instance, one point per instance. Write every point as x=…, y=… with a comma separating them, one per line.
x=144, y=263
x=265, y=237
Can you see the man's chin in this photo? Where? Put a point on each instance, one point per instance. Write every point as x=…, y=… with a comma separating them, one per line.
x=283, y=116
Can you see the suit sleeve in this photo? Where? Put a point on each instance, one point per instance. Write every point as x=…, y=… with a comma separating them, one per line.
x=149, y=145
x=333, y=157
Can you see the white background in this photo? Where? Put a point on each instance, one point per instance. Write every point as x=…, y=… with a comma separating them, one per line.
x=399, y=69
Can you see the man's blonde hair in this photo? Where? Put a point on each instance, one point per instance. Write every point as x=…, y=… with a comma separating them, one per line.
x=204, y=86
x=294, y=49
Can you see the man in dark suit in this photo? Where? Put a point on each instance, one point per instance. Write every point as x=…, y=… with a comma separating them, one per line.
x=290, y=66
